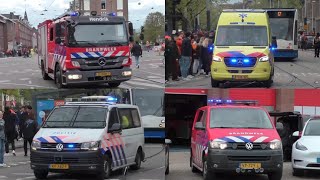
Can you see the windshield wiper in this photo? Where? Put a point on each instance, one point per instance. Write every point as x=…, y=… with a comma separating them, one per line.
x=87, y=42
x=254, y=128
x=112, y=42
x=225, y=127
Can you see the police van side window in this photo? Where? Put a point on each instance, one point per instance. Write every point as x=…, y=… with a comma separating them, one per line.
x=113, y=117
x=126, y=118
x=136, y=118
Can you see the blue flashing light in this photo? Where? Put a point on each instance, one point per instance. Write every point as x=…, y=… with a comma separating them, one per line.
x=246, y=61
x=234, y=60
x=273, y=48
x=70, y=145
x=218, y=101
x=229, y=101
x=74, y=14
x=112, y=99
x=112, y=14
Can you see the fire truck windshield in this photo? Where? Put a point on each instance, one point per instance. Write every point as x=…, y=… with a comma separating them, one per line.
x=239, y=118
x=98, y=35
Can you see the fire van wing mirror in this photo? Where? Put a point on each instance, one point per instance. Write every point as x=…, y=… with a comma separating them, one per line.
x=199, y=126
x=279, y=127
x=130, y=29
x=296, y=134
x=58, y=40
x=116, y=127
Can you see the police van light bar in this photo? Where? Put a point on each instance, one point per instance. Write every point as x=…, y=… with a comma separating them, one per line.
x=228, y=101
x=112, y=14
x=108, y=99
x=74, y=13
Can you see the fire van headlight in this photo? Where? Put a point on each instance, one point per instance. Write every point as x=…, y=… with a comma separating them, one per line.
x=92, y=146
x=35, y=145
x=75, y=63
x=275, y=145
x=74, y=76
x=216, y=58
x=264, y=59
x=126, y=73
x=218, y=145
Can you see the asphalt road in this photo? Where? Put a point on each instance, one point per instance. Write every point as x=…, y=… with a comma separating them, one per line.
x=19, y=72
x=303, y=72
x=180, y=169
x=18, y=167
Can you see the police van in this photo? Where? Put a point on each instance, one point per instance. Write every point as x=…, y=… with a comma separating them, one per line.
x=91, y=134
x=235, y=137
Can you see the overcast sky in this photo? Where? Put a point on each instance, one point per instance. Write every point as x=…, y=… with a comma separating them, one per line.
x=137, y=13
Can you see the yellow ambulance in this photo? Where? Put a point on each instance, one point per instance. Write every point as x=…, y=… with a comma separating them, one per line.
x=243, y=48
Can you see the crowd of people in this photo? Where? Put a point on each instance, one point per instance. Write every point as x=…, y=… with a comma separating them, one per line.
x=25, y=52
x=14, y=126
x=315, y=42
x=188, y=55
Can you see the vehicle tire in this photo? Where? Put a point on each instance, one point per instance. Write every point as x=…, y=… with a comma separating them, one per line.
x=58, y=77
x=167, y=162
x=137, y=161
x=275, y=175
x=193, y=168
x=105, y=174
x=214, y=83
x=297, y=172
x=113, y=85
x=43, y=72
x=207, y=175
x=40, y=174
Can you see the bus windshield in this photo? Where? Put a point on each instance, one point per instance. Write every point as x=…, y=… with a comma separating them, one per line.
x=282, y=28
x=149, y=101
x=242, y=36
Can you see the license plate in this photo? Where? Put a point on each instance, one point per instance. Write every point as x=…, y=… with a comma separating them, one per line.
x=250, y=165
x=103, y=74
x=240, y=77
x=318, y=160
x=59, y=166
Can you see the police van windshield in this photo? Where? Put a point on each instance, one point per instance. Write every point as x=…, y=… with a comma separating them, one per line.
x=239, y=118
x=98, y=35
x=77, y=117
x=242, y=36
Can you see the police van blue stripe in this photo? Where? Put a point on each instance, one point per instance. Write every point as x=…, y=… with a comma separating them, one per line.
x=120, y=158
x=55, y=138
x=41, y=139
x=115, y=157
x=124, y=156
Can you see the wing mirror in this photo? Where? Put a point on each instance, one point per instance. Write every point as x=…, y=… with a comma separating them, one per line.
x=296, y=134
x=199, y=126
x=279, y=127
x=116, y=127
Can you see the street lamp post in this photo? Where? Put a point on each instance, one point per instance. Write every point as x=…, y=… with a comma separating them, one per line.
x=312, y=16
x=208, y=16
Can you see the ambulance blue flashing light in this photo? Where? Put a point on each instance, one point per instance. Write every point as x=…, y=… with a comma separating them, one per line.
x=246, y=61
x=273, y=48
x=234, y=60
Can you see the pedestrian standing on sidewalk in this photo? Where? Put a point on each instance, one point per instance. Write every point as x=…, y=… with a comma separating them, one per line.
x=136, y=51
x=186, y=54
x=30, y=129
x=316, y=44
x=2, y=139
x=148, y=45
x=205, y=57
x=179, y=45
x=10, y=129
x=171, y=58
x=196, y=57
x=22, y=119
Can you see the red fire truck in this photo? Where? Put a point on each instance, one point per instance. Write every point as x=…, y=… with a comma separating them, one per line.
x=75, y=49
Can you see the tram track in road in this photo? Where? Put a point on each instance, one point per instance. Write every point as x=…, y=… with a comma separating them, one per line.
x=294, y=77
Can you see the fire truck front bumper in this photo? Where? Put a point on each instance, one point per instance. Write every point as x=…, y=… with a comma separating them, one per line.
x=97, y=76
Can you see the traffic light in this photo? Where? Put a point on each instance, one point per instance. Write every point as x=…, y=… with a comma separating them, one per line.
x=142, y=29
x=141, y=37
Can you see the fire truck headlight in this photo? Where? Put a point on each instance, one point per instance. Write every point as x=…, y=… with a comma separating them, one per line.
x=218, y=145
x=75, y=64
x=126, y=73
x=74, y=76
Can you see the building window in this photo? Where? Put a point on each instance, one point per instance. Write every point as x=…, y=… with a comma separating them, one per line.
x=119, y=4
x=119, y=13
x=103, y=4
x=86, y=5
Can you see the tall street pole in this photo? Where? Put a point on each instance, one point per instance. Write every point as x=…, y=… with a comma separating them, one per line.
x=208, y=15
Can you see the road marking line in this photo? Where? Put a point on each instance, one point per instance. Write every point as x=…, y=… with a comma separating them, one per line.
x=144, y=84
x=24, y=79
x=4, y=81
x=30, y=82
x=26, y=174
x=27, y=85
x=31, y=177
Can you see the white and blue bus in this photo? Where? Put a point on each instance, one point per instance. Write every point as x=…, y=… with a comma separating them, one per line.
x=284, y=26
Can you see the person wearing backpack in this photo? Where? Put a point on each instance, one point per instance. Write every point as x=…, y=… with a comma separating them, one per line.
x=316, y=45
x=30, y=129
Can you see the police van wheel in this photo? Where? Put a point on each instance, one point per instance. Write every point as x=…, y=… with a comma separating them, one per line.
x=43, y=72
x=40, y=174
x=137, y=161
x=113, y=85
x=214, y=83
x=106, y=169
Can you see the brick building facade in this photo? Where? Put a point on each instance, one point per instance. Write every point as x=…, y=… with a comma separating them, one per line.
x=103, y=7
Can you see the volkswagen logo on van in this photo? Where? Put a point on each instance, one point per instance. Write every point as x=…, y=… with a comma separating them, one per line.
x=249, y=146
x=59, y=147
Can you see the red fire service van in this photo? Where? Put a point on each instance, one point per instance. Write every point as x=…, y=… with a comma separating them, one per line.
x=235, y=137
x=75, y=49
